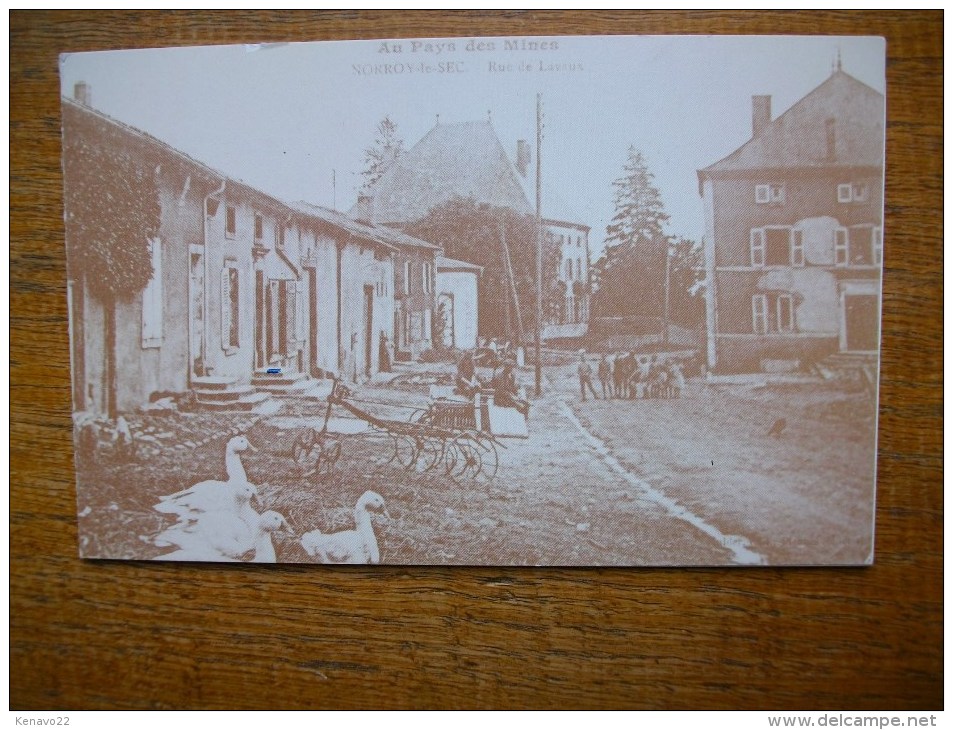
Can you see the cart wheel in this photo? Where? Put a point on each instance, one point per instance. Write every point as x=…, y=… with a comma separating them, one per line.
x=467, y=461
x=489, y=459
x=431, y=454
x=405, y=451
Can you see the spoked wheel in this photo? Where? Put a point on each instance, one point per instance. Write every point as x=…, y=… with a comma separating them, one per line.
x=431, y=454
x=489, y=459
x=465, y=461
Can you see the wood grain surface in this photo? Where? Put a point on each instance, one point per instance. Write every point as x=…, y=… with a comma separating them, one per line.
x=133, y=635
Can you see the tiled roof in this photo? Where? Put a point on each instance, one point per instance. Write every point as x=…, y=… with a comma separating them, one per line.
x=464, y=160
x=799, y=137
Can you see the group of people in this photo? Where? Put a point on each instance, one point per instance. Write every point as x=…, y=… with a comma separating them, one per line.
x=624, y=375
x=506, y=392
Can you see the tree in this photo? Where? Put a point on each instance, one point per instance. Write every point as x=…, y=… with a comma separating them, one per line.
x=387, y=147
x=686, y=283
x=476, y=233
x=112, y=211
x=631, y=271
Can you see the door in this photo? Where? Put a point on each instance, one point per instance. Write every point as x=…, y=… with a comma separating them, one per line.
x=196, y=312
x=861, y=317
x=261, y=356
x=368, y=328
x=313, y=318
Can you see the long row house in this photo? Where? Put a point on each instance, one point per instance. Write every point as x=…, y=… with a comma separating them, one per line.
x=243, y=283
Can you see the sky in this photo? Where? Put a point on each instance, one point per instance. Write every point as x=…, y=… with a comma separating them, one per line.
x=294, y=119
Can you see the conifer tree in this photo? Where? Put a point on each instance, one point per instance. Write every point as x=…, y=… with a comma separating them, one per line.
x=631, y=271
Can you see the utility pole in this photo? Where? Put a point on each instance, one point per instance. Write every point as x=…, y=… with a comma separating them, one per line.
x=539, y=245
x=668, y=275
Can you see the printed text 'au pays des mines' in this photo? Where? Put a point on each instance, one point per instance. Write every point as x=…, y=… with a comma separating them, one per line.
x=472, y=45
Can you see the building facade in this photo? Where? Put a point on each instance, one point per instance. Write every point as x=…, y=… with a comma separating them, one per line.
x=458, y=301
x=241, y=282
x=574, y=279
x=466, y=160
x=793, y=232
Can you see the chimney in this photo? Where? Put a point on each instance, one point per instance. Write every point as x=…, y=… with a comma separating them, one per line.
x=365, y=208
x=83, y=93
x=524, y=156
x=760, y=114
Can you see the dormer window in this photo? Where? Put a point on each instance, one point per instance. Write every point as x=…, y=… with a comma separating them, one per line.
x=764, y=194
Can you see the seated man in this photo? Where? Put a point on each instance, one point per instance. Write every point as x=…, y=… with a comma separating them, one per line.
x=505, y=391
x=467, y=382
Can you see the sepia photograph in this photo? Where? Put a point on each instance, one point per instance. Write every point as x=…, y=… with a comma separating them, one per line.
x=542, y=301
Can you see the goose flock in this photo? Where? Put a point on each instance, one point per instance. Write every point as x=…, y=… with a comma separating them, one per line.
x=217, y=522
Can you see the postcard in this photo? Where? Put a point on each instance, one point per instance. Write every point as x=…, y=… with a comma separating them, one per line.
x=546, y=301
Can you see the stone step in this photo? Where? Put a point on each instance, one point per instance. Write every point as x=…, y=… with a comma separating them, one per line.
x=213, y=382
x=245, y=402
x=233, y=393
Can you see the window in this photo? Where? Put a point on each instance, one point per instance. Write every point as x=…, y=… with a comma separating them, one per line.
x=776, y=246
x=579, y=269
x=768, y=194
x=428, y=316
x=858, y=246
x=230, y=310
x=279, y=235
x=229, y=221
x=382, y=284
x=853, y=193
x=759, y=314
x=427, y=277
x=407, y=278
x=152, y=299
x=568, y=269
x=259, y=227
x=772, y=313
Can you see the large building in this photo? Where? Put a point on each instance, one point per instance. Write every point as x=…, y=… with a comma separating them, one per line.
x=242, y=282
x=467, y=160
x=793, y=231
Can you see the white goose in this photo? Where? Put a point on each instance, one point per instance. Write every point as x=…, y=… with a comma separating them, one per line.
x=211, y=538
x=214, y=495
x=349, y=546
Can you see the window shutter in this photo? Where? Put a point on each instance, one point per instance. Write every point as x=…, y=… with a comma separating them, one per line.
x=152, y=303
x=785, y=313
x=226, y=308
x=759, y=314
x=844, y=192
x=797, y=247
x=299, y=330
x=840, y=247
x=757, y=247
x=762, y=193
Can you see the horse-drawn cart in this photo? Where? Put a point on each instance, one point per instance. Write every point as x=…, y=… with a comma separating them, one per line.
x=449, y=436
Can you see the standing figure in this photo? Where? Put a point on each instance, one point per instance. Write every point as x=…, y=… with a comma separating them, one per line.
x=605, y=376
x=384, y=354
x=585, y=376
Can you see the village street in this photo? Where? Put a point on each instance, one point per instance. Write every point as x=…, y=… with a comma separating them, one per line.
x=690, y=481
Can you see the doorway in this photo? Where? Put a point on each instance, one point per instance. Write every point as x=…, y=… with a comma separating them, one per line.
x=368, y=328
x=861, y=319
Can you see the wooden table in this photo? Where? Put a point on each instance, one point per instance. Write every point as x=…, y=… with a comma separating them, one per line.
x=131, y=635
